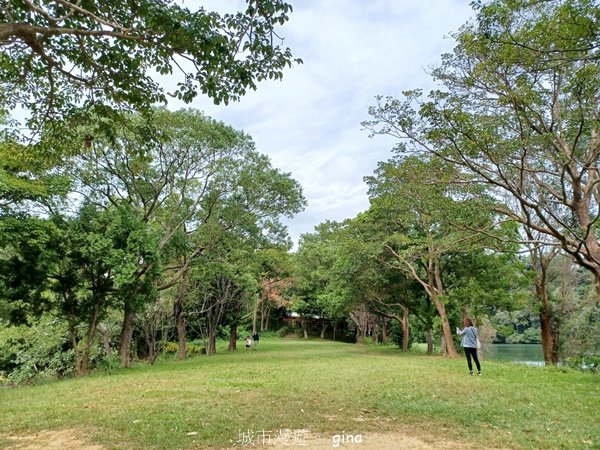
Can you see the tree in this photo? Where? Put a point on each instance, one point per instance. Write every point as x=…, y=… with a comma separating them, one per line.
x=61, y=55
x=28, y=245
x=194, y=171
x=275, y=272
x=319, y=288
x=77, y=268
x=364, y=284
x=26, y=175
x=519, y=113
x=219, y=287
x=425, y=216
x=541, y=257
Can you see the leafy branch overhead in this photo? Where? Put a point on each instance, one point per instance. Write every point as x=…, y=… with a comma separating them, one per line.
x=56, y=55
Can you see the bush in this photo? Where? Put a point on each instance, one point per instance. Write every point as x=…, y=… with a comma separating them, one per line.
x=170, y=347
x=109, y=363
x=36, y=351
x=586, y=363
x=193, y=347
x=284, y=331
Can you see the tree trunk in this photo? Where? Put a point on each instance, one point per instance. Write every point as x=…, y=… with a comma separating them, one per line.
x=75, y=344
x=375, y=332
x=384, y=330
x=334, y=330
x=214, y=306
x=555, y=345
x=85, y=360
x=429, y=338
x=264, y=316
x=597, y=281
x=255, y=314
x=323, y=329
x=103, y=330
x=405, y=329
x=448, y=348
x=435, y=289
x=178, y=311
x=181, y=338
x=541, y=260
x=126, y=335
x=304, y=324
x=211, y=346
x=547, y=338
x=232, y=338
x=152, y=353
x=358, y=318
x=360, y=334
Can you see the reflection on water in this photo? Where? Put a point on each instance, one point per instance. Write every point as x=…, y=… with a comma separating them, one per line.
x=529, y=354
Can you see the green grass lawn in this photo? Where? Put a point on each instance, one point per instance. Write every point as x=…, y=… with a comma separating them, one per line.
x=325, y=387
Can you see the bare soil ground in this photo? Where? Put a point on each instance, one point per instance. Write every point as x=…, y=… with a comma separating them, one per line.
x=75, y=439
x=65, y=439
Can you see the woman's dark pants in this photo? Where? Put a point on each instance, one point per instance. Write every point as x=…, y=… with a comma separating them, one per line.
x=472, y=353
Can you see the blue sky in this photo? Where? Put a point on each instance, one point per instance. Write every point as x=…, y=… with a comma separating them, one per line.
x=309, y=123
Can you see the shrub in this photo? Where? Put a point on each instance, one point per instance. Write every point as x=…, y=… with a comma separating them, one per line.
x=586, y=363
x=193, y=347
x=170, y=347
x=36, y=351
x=109, y=363
x=284, y=331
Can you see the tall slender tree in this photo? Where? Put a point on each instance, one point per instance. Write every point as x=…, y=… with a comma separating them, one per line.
x=519, y=113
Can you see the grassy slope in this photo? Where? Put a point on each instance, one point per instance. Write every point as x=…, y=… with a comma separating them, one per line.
x=325, y=387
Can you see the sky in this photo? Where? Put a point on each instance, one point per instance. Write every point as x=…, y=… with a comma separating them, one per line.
x=309, y=123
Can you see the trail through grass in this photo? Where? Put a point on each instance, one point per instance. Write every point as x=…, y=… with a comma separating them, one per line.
x=323, y=387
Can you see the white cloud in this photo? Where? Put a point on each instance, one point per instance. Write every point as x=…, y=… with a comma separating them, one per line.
x=309, y=123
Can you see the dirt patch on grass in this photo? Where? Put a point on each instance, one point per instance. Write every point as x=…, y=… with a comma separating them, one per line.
x=383, y=441
x=75, y=439
x=304, y=439
x=65, y=439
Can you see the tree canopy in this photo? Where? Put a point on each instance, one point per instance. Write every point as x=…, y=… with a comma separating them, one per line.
x=61, y=55
x=518, y=112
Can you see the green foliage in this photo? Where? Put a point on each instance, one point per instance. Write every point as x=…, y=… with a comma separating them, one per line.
x=187, y=198
x=322, y=285
x=285, y=330
x=26, y=174
x=398, y=335
x=36, y=351
x=585, y=363
x=173, y=347
x=108, y=363
x=59, y=56
x=529, y=336
x=483, y=280
x=520, y=326
x=517, y=116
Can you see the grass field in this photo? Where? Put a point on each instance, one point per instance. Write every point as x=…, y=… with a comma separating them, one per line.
x=326, y=388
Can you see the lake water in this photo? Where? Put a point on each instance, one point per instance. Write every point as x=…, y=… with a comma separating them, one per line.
x=531, y=354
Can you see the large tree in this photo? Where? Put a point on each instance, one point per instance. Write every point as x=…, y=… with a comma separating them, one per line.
x=424, y=216
x=56, y=56
x=519, y=112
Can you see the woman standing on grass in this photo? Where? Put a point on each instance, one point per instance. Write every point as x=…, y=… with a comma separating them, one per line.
x=469, y=344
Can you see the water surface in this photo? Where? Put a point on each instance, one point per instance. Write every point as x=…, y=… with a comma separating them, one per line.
x=532, y=354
